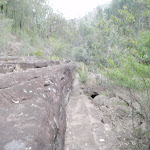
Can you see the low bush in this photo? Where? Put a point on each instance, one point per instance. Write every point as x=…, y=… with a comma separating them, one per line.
x=143, y=49
x=83, y=73
x=38, y=53
x=5, y=32
x=135, y=77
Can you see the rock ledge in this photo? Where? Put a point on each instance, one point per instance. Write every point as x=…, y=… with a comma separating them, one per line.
x=32, y=104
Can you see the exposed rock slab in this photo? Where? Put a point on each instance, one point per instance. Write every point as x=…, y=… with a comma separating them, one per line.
x=87, y=127
x=32, y=107
x=12, y=64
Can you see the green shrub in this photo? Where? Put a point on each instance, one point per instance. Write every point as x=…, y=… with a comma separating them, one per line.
x=5, y=32
x=37, y=53
x=135, y=77
x=54, y=57
x=130, y=73
x=60, y=48
x=143, y=49
x=83, y=73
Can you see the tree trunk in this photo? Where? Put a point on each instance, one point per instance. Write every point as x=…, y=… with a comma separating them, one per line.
x=21, y=19
x=6, y=9
x=2, y=7
x=15, y=19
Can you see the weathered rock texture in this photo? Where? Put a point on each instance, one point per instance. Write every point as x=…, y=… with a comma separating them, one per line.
x=32, y=105
x=12, y=64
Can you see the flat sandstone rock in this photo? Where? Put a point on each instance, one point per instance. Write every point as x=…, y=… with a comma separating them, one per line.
x=32, y=107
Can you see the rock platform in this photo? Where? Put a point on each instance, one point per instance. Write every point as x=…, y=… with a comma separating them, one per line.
x=33, y=97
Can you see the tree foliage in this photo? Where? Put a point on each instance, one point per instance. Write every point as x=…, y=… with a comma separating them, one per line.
x=34, y=22
x=121, y=50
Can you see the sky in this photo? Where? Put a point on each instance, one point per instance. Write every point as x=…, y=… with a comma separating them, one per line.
x=75, y=8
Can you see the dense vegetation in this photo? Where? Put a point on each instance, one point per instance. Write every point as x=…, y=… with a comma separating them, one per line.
x=40, y=29
x=117, y=43
x=114, y=40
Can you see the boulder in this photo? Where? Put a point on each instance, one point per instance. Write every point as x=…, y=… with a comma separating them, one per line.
x=101, y=100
